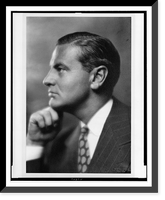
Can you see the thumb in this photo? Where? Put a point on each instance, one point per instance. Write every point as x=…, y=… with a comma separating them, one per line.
x=32, y=130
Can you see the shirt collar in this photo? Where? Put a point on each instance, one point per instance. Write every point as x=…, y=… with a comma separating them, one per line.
x=97, y=122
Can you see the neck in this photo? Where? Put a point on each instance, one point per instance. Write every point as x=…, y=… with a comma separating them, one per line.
x=85, y=112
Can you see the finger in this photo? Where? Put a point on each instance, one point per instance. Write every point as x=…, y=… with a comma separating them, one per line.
x=54, y=115
x=37, y=120
x=46, y=117
x=48, y=136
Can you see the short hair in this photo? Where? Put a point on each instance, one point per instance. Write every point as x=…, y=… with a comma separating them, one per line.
x=95, y=51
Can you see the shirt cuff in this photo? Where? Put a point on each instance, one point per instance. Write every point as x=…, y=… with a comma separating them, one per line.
x=33, y=152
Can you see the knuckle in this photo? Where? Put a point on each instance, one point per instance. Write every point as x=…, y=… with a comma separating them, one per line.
x=44, y=112
x=55, y=116
x=35, y=117
x=32, y=118
x=48, y=109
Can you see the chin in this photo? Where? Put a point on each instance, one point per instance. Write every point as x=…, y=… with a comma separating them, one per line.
x=55, y=105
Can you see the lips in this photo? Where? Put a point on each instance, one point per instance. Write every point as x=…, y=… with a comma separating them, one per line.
x=51, y=94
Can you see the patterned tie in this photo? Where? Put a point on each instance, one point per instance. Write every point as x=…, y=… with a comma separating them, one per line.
x=83, y=151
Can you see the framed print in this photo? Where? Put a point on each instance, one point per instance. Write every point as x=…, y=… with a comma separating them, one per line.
x=81, y=99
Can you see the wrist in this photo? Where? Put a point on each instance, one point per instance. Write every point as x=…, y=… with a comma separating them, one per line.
x=30, y=142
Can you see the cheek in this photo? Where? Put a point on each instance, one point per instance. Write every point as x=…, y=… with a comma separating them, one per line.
x=76, y=85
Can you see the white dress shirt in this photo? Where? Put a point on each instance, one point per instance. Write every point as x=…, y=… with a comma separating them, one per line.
x=95, y=126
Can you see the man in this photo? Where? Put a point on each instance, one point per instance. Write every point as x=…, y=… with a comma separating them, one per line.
x=84, y=69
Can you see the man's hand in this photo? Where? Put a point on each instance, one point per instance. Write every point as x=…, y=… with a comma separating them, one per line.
x=44, y=125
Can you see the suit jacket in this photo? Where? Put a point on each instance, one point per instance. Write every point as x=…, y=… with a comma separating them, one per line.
x=112, y=154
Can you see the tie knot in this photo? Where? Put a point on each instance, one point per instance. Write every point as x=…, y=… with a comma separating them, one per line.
x=84, y=130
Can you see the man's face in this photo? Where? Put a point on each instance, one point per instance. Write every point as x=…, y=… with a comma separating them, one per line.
x=68, y=83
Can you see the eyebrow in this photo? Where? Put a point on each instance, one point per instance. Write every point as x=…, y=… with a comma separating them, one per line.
x=59, y=64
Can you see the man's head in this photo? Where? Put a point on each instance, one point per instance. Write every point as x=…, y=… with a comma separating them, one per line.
x=96, y=51
x=82, y=65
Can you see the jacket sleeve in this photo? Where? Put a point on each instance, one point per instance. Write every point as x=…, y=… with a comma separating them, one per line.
x=34, y=166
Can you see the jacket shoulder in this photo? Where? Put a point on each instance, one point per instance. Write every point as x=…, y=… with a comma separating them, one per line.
x=121, y=107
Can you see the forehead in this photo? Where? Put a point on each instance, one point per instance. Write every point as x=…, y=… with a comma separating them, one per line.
x=66, y=54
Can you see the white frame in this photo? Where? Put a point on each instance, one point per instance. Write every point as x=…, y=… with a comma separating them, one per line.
x=19, y=102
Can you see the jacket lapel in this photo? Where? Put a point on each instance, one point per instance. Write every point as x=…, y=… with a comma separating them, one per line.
x=72, y=150
x=113, y=150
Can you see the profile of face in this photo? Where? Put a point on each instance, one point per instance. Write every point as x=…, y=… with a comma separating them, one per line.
x=68, y=83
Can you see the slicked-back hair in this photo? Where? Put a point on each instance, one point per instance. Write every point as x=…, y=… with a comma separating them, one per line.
x=95, y=51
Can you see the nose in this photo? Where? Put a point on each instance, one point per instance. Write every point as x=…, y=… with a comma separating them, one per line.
x=49, y=80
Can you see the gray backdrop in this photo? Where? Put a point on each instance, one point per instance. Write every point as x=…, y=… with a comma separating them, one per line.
x=42, y=33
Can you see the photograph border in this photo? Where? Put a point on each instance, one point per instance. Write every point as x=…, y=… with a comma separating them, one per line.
x=154, y=187
x=144, y=13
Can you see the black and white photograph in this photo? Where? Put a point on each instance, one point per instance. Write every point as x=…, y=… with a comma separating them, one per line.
x=80, y=79
x=81, y=82
x=79, y=71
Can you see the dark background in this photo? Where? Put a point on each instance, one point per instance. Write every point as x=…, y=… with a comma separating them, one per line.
x=41, y=36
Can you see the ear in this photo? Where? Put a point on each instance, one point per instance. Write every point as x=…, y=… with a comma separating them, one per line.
x=98, y=76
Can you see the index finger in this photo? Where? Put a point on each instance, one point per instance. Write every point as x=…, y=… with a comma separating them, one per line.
x=54, y=114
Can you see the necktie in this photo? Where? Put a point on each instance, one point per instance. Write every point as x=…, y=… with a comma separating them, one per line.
x=83, y=151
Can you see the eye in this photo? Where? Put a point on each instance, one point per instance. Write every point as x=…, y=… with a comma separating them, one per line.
x=60, y=69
